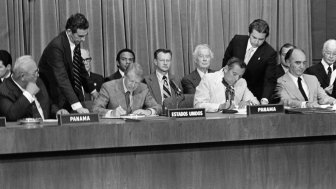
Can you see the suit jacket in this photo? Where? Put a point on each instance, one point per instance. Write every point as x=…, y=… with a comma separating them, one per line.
x=279, y=71
x=191, y=81
x=55, y=68
x=116, y=75
x=112, y=95
x=153, y=86
x=291, y=96
x=14, y=105
x=210, y=93
x=260, y=72
x=97, y=80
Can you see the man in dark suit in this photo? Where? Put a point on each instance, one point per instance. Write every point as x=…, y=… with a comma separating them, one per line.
x=125, y=57
x=202, y=58
x=97, y=79
x=24, y=95
x=62, y=69
x=301, y=90
x=324, y=69
x=161, y=83
x=260, y=58
x=283, y=66
x=126, y=95
x=5, y=65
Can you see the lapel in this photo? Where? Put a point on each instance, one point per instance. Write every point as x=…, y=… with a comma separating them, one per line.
x=292, y=88
x=121, y=96
x=255, y=59
x=321, y=71
x=243, y=45
x=196, y=78
x=154, y=86
x=310, y=85
x=67, y=52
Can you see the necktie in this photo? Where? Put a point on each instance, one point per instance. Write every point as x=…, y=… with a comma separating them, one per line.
x=329, y=72
x=301, y=89
x=229, y=92
x=35, y=112
x=166, y=92
x=128, y=101
x=248, y=55
x=77, y=61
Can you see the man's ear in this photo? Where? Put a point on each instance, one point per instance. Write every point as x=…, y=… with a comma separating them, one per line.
x=155, y=62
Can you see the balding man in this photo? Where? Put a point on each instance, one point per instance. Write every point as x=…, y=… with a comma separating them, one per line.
x=24, y=95
x=324, y=69
x=299, y=90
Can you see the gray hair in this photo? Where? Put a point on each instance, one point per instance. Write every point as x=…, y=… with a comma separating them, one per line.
x=20, y=65
x=136, y=68
x=198, y=48
x=328, y=43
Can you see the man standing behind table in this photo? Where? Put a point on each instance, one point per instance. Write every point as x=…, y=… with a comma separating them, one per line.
x=202, y=57
x=5, y=65
x=161, y=83
x=324, y=69
x=97, y=79
x=126, y=95
x=62, y=69
x=300, y=90
x=125, y=57
x=260, y=58
x=224, y=89
x=23, y=95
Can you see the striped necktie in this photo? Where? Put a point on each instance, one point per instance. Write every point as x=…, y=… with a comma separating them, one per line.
x=76, y=62
x=166, y=92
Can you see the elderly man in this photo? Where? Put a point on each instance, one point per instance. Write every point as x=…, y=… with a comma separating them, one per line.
x=97, y=79
x=24, y=95
x=161, y=83
x=126, y=95
x=224, y=89
x=202, y=58
x=260, y=58
x=323, y=69
x=125, y=57
x=5, y=65
x=62, y=69
x=300, y=90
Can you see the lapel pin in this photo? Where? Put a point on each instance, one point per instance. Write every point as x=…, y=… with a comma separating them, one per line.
x=258, y=58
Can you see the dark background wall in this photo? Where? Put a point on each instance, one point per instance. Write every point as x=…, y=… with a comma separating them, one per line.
x=323, y=25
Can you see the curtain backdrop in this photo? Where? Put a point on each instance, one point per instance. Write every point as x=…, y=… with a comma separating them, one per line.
x=27, y=26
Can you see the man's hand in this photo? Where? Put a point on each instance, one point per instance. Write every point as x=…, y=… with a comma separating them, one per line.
x=32, y=88
x=329, y=89
x=142, y=111
x=264, y=101
x=227, y=106
x=62, y=112
x=312, y=105
x=83, y=111
x=118, y=111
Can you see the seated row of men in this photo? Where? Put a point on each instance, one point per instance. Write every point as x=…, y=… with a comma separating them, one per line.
x=248, y=76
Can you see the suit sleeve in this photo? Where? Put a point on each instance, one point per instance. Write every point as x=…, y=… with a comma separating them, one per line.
x=100, y=103
x=188, y=87
x=151, y=103
x=270, y=77
x=228, y=52
x=14, y=110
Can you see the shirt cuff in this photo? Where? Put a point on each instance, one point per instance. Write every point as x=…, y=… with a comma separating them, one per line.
x=94, y=91
x=304, y=104
x=28, y=96
x=76, y=106
x=108, y=113
x=153, y=112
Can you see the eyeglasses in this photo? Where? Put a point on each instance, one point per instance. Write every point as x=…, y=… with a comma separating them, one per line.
x=87, y=59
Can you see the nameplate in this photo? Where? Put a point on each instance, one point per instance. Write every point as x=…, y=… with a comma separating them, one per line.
x=186, y=113
x=77, y=118
x=265, y=109
x=2, y=121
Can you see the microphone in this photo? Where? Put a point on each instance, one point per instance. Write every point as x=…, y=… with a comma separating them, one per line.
x=178, y=91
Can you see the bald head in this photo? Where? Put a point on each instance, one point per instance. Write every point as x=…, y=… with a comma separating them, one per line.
x=296, y=59
x=329, y=51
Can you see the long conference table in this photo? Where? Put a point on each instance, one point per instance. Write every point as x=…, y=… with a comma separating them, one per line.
x=222, y=151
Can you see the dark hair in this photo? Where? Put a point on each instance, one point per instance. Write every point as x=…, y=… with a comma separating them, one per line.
x=286, y=45
x=163, y=51
x=290, y=52
x=77, y=21
x=122, y=51
x=237, y=61
x=260, y=26
x=5, y=57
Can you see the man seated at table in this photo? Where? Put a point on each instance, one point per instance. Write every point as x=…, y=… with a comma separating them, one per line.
x=24, y=95
x=126, y=95
x=224, y=89
x=299, y=90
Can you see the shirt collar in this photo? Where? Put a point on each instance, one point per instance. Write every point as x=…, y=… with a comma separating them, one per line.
x=326, y=65
x=159, y=76
x=201, y=73
x=249, y=46
x=72, y=45
x=294, y=78
x=121, y=72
